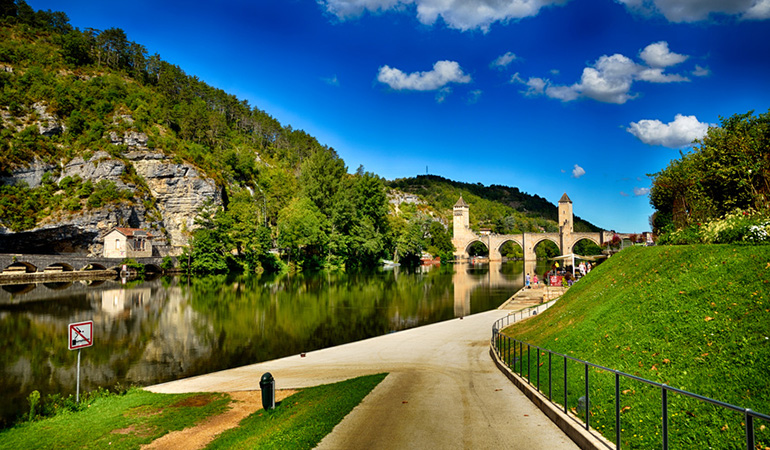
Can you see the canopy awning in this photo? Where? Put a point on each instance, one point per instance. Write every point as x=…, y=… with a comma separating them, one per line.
x=575, y=256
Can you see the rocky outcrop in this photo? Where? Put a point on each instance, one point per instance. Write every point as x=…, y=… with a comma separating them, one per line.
x=32, y=175
x=47, y=124
x=177, y=191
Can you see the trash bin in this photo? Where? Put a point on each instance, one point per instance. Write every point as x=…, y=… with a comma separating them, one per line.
x=267, y=385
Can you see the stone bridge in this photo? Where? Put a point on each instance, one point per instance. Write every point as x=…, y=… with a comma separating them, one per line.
x=68, y=262
x=565, y=239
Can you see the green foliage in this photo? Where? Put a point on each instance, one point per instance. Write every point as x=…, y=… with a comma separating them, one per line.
x=34, y=399
x=749, y=227
x=692, y=317
x=299, y=421
x=730, y=170
x=512, y=250
x=167, y=264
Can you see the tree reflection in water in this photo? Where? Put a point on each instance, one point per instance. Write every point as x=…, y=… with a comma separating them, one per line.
x=165, y=329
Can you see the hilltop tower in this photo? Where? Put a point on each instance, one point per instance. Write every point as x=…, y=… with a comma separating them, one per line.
x=565, y=223
x=565, y=215
x=461, y=221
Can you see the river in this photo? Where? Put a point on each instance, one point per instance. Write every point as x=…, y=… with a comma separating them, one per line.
x=149, y=332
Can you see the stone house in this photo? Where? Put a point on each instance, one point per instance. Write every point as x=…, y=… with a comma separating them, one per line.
x=127, y=243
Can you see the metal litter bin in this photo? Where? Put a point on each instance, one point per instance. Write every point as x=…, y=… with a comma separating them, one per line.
x=267, y=385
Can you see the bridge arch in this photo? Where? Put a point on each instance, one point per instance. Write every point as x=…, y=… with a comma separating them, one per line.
x=20, y=266
x=473, y=241
x=152, y=268
x=94, y=266
x=59, y=267
x=576, y=239
x=498, y=250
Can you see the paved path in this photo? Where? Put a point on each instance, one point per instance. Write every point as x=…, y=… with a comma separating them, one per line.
x=443, y=391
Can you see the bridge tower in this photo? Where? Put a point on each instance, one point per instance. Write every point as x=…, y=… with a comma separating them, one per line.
x=565, y=222
x=461, y=228
x=461, y=221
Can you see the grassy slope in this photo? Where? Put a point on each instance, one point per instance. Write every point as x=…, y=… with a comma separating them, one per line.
x=693, y=317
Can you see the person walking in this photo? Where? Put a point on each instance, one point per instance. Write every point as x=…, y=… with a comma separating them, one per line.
x=526, y=281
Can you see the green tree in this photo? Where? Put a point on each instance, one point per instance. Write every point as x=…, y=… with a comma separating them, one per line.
x=729, y=170
x=302, y=232
x=320, y=177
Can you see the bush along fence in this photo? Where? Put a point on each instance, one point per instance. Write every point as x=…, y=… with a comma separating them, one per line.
x=628, y=410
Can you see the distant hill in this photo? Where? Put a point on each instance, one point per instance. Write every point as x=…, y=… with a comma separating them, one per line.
x=490, y=205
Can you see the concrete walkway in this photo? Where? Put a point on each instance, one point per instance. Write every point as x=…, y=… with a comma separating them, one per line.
x=443, y=391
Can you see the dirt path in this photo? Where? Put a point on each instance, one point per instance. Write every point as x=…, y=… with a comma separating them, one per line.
x=197, y=437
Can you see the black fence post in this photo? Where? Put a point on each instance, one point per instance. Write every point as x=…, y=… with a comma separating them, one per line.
x=588, y=403
x=749, y=430
x=529, y=367
x=665, y=417
x=549, y=374
x=565, y=384
x=617, y=411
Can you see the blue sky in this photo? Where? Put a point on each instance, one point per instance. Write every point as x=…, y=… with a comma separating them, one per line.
x=585, y=97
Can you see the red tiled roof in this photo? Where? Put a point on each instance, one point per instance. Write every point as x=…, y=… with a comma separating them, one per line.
x=130, y=231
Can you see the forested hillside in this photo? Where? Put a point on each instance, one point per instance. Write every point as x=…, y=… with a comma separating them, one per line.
x=97, y=133
x=502, y=209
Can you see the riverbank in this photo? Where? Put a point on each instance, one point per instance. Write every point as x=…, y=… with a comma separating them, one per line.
x=439, y=393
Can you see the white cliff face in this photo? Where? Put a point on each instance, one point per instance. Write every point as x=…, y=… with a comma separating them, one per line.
x=179, y=190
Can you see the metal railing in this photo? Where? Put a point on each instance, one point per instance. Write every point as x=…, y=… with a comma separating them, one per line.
x=513, y=352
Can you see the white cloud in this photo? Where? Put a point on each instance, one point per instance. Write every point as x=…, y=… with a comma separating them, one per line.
x=332, y=81
x=624, y=194
x=611, y=78
x=641, y=191
x=701, y=71
x=443, y=93
x=459, y=14
x=503, y=60
x=563, y=93
x=474, y=96
x=658, y=55
x=578, y=171
x=679, y=133
x=443, y=73
x=700, y=10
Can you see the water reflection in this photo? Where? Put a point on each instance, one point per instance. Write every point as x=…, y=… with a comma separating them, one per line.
x=164, y=329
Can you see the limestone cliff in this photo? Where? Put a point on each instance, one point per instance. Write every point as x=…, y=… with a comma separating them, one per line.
x=166, y=203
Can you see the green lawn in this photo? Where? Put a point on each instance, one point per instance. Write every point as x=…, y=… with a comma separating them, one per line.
x=116, y=421
x=139, y=417
x=299, y=421
x=692, y=317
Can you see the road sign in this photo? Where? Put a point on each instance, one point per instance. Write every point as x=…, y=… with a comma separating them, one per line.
x=81, y=335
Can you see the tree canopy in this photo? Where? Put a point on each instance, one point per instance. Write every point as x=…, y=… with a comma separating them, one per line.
x=729, y=170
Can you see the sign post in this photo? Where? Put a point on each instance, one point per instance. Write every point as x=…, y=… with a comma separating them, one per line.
x=80, y=335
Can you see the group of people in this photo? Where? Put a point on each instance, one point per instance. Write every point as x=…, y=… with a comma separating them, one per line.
x=583, y=268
